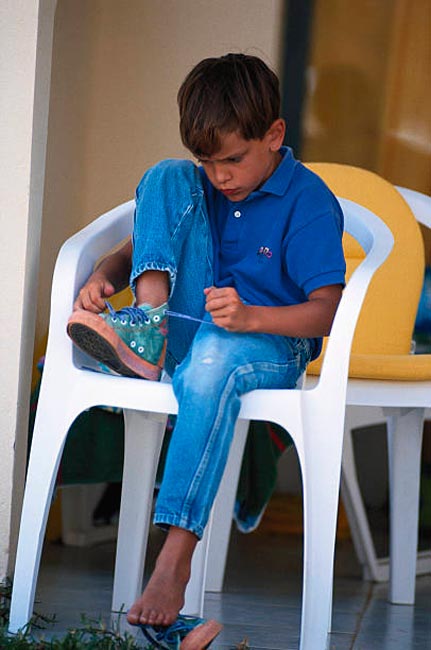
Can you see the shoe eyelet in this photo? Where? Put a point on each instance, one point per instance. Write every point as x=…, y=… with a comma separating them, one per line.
x=156, y=318
x=123, y=321
x=141, y=349
x=133, y=344
x=114, y=320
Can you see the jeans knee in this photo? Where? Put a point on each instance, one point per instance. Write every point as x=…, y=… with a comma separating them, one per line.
x=202, y=374
x=171, y=175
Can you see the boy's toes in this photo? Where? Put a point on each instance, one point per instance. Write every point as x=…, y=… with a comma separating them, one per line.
x=134, y=616
x=160, y=620
x=147, y=618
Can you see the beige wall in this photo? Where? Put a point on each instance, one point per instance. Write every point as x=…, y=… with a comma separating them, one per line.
x=116, y=70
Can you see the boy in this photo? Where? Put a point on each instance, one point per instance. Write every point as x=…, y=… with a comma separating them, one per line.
x=249, y=242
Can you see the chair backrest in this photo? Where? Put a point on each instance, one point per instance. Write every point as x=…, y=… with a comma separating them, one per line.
x=387, y=319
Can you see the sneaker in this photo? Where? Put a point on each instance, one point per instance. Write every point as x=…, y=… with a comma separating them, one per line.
x=131, y=341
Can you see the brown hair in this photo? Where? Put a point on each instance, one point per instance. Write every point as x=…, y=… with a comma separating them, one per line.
x=235, y=92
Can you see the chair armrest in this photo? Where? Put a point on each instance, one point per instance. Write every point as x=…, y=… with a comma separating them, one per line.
x=76, y=260
x=377, y=241
x=419, y=204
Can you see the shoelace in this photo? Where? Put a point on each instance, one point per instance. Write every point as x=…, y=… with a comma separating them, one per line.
x=136, y=316
x=176, y=314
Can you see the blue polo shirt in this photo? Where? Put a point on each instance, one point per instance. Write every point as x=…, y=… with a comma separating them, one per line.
x=280, y=243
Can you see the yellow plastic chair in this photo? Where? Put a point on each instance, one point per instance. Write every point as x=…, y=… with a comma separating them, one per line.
x=382, y=373
x=404, y=427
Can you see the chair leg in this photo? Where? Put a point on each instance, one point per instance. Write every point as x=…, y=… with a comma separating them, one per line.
x=49, y=436
x=218, y=544
x=357, y=516
x=320, y=489
x=404, y=445
x=143, y=439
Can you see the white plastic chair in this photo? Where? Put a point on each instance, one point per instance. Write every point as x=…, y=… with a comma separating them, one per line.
x=314, y=418
x=401, y=404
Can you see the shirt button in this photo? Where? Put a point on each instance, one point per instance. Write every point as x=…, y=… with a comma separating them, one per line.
x=237, y=214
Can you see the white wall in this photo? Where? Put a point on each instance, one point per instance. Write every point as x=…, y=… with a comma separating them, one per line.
x=25, y=61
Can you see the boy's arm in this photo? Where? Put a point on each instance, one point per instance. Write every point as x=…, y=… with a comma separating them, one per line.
x=112, y=275
x=309, y=319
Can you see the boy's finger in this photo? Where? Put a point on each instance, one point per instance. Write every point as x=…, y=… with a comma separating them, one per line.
x=78, y=304
x=216, y=303
x=221, y=293
x=108, y=290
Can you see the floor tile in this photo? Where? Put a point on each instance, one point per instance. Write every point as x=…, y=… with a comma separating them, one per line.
x=261, y=599
x=395, y=627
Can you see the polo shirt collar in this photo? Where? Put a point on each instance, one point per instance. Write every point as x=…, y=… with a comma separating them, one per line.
x=279, y=181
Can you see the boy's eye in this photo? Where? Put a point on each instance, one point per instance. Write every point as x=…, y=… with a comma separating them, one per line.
x=231, y=160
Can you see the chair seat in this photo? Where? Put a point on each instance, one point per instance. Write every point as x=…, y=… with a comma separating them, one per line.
x=389, y=367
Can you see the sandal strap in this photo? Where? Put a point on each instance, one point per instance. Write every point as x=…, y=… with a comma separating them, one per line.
x=169, y=638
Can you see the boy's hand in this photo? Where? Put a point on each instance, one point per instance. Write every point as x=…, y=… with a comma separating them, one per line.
x=227, y=309
x=92, y=295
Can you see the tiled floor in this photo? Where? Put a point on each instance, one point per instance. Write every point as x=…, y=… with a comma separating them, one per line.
x=261, y=597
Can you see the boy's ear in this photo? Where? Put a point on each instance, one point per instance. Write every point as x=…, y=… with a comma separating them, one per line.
x=276, y=133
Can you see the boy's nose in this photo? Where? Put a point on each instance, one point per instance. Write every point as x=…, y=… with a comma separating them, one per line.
x=222, y=174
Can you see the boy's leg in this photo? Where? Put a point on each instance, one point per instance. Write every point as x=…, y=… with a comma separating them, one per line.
x=172, y=234
x=172, y=254
x=152, y=288
x=220, y=367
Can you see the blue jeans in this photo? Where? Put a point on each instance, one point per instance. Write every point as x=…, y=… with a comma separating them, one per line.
x=210, y=367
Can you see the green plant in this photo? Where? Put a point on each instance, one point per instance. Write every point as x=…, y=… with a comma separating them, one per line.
x=91, y=635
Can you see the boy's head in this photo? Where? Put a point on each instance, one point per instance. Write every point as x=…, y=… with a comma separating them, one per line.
x=235, y=93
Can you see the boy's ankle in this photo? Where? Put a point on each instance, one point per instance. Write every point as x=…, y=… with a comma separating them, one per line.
x=148, y=306
x=152, y=287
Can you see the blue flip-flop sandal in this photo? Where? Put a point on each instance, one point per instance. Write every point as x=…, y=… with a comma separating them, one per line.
x=186, y=633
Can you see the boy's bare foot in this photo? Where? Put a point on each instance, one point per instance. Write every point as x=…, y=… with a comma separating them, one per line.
x=161, y=601
x=163, y=597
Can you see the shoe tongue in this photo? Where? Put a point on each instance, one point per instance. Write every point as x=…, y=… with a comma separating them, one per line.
x=145, y=306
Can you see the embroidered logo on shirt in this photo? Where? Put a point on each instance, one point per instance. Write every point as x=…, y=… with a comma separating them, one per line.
x=266, y=251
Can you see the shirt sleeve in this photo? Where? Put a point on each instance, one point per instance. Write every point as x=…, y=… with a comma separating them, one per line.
x=313, y=249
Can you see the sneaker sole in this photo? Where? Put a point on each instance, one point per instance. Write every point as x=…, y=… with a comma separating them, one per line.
x=92, y=335
x=201, y=636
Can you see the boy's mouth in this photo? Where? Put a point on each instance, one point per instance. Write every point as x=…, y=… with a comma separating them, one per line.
x=229, y=192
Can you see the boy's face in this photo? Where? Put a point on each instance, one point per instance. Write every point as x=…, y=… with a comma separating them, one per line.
x=242, y=166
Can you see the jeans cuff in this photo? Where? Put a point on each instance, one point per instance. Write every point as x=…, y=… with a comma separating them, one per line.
x=153, y=266
x=166, y=520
